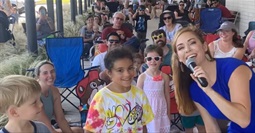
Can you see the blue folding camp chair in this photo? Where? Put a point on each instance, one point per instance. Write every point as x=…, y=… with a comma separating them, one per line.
x=65, y=54
x=210, y=20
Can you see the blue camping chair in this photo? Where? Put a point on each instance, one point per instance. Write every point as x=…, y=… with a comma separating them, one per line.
x=250, y=27
x=210, y=20
x=65, y=54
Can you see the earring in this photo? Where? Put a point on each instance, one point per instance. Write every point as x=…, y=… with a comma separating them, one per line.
x=181, y=66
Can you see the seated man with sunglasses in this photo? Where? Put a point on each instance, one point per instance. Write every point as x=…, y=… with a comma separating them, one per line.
x=159, y=39
x=113, y=41
x=123, y=32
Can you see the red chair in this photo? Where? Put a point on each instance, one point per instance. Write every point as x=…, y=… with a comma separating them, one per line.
x=176, y=120
x=211, y=37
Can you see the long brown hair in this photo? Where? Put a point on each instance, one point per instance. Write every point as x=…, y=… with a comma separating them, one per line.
x=181, y=73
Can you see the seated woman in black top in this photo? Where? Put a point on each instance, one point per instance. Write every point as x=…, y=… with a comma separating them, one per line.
x=182, y=16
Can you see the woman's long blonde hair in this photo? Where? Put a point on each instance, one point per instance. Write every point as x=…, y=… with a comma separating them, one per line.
x=181, y=73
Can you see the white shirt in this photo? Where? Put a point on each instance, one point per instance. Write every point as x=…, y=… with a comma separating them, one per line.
x=218, y=53
x=99, y=61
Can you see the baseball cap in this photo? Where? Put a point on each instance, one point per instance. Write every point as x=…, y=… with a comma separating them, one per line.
x=227, y=25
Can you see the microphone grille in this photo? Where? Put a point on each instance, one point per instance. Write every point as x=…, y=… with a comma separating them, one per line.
x=189, y=60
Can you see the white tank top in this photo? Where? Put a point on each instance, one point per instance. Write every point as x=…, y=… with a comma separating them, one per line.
x=220, y=54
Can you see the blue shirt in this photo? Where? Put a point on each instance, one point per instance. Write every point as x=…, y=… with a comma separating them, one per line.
x=224, y=68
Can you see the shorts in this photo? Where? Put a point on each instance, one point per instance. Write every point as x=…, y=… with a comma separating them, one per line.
x=191, y=121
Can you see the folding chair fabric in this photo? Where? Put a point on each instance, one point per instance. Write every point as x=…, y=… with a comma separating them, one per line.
x=250, y=27
x=65, y=54
x=210, y=19
x=88, y=86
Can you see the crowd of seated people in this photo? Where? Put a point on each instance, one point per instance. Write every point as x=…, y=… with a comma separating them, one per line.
x=176, y=44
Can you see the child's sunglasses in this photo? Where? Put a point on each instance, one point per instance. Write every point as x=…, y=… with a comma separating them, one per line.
x=156, y=58
x=155, y=37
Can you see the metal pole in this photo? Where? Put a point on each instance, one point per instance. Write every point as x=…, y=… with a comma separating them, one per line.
x=85, y=6
x=59, y=10
x=50, y=9
x=31, y=27
x=80, y=7
x=72, y=7
x=75, y=7
x=89, y=1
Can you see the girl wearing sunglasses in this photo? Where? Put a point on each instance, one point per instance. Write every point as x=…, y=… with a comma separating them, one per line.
x=170, y=26
x=156, y=87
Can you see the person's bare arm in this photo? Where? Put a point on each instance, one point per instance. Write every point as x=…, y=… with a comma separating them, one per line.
x=145, y=129
x=176, y=15
x=50, y=23
x=238, y=109
x=211, y=48
x=140, y=81
x=246, y=45
x=58, y=112
x=211, y=124
x=167, y=93
x=239, y=54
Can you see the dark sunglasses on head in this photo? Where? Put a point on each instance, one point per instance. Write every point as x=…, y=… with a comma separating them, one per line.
x=114, y=41
x=165, y=18
x=156, y=37
x=119, y=18
x=156, y=58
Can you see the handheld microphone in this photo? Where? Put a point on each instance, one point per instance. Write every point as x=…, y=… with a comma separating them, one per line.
x=191, y=64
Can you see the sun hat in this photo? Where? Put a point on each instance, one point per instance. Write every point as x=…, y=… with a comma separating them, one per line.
x=227, y=25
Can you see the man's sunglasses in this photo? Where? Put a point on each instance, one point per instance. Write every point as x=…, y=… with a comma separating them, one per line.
x=113, y=41
x=156, y=58
x=156, y=37
x=165, y=18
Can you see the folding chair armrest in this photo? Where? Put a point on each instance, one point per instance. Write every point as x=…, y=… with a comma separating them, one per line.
x=92, y=67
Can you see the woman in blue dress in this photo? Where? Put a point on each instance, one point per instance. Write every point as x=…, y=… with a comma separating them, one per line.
x=230, y=93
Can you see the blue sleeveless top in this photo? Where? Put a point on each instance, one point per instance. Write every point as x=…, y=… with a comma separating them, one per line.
x=225, y=67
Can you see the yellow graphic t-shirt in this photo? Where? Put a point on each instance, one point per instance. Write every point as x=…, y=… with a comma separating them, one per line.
x=119, y=112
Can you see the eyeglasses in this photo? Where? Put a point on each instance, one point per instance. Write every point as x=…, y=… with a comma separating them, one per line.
x=113, y=41
x=156, y=58
x=165, y=18
x=156, y=37
x=121, y=19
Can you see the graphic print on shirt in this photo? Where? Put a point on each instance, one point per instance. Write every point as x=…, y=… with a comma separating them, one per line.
x=123, y=114
x=140, y=23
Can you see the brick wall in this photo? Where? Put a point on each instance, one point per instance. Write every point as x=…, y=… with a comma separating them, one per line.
x=246, y=8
